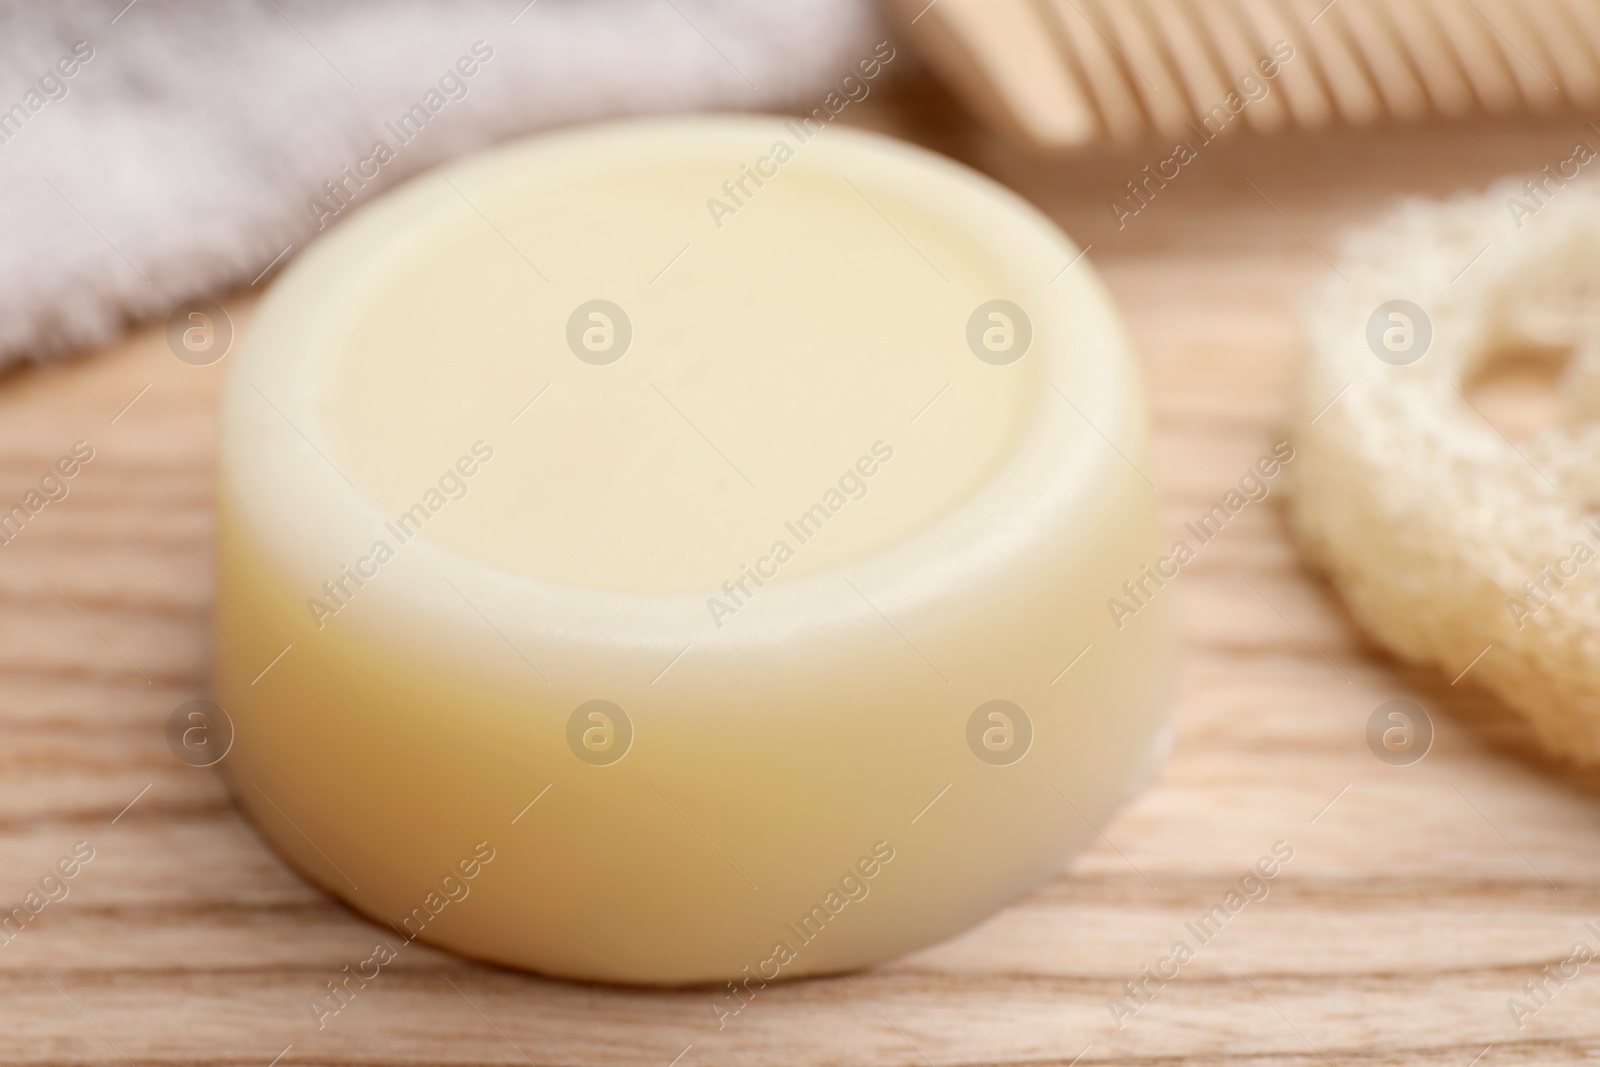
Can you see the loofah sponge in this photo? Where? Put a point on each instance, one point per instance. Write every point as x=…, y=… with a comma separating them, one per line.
x=1448, y=540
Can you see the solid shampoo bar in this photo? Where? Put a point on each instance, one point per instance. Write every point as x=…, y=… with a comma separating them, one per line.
x=678, y=550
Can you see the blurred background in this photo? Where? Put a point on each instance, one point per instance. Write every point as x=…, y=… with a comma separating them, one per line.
x=1211, y=155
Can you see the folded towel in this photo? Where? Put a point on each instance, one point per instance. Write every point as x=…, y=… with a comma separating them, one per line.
x=159, y=150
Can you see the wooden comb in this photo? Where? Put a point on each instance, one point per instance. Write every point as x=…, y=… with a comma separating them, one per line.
x=1065, y=73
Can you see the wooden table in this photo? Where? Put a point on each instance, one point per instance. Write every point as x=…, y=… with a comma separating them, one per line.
x=1419, y=898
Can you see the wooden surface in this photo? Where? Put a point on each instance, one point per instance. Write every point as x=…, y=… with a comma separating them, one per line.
x=1419, y=898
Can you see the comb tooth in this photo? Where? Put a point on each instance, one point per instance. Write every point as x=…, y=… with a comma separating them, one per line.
x=1375, y=42
x=1304, y=95
x=1156, y=84
x=1434, y=60
x=1001, y=56
x=1563, y=43
x=1347, y=83
x=1238, y=58
x=1480, y=59
x=1523, y=54
x=1188, y=56
x=1584, y=17
x=1107, y=80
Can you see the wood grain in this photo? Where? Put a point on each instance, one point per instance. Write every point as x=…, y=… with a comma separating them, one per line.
x=1419, y=898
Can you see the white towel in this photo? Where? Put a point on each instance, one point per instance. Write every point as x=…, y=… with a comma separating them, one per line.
x=166, y=149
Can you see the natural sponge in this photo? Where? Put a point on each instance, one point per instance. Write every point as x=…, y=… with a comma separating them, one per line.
x=1449, y=540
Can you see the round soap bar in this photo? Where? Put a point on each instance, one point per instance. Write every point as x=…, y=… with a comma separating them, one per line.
x=681, y=550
